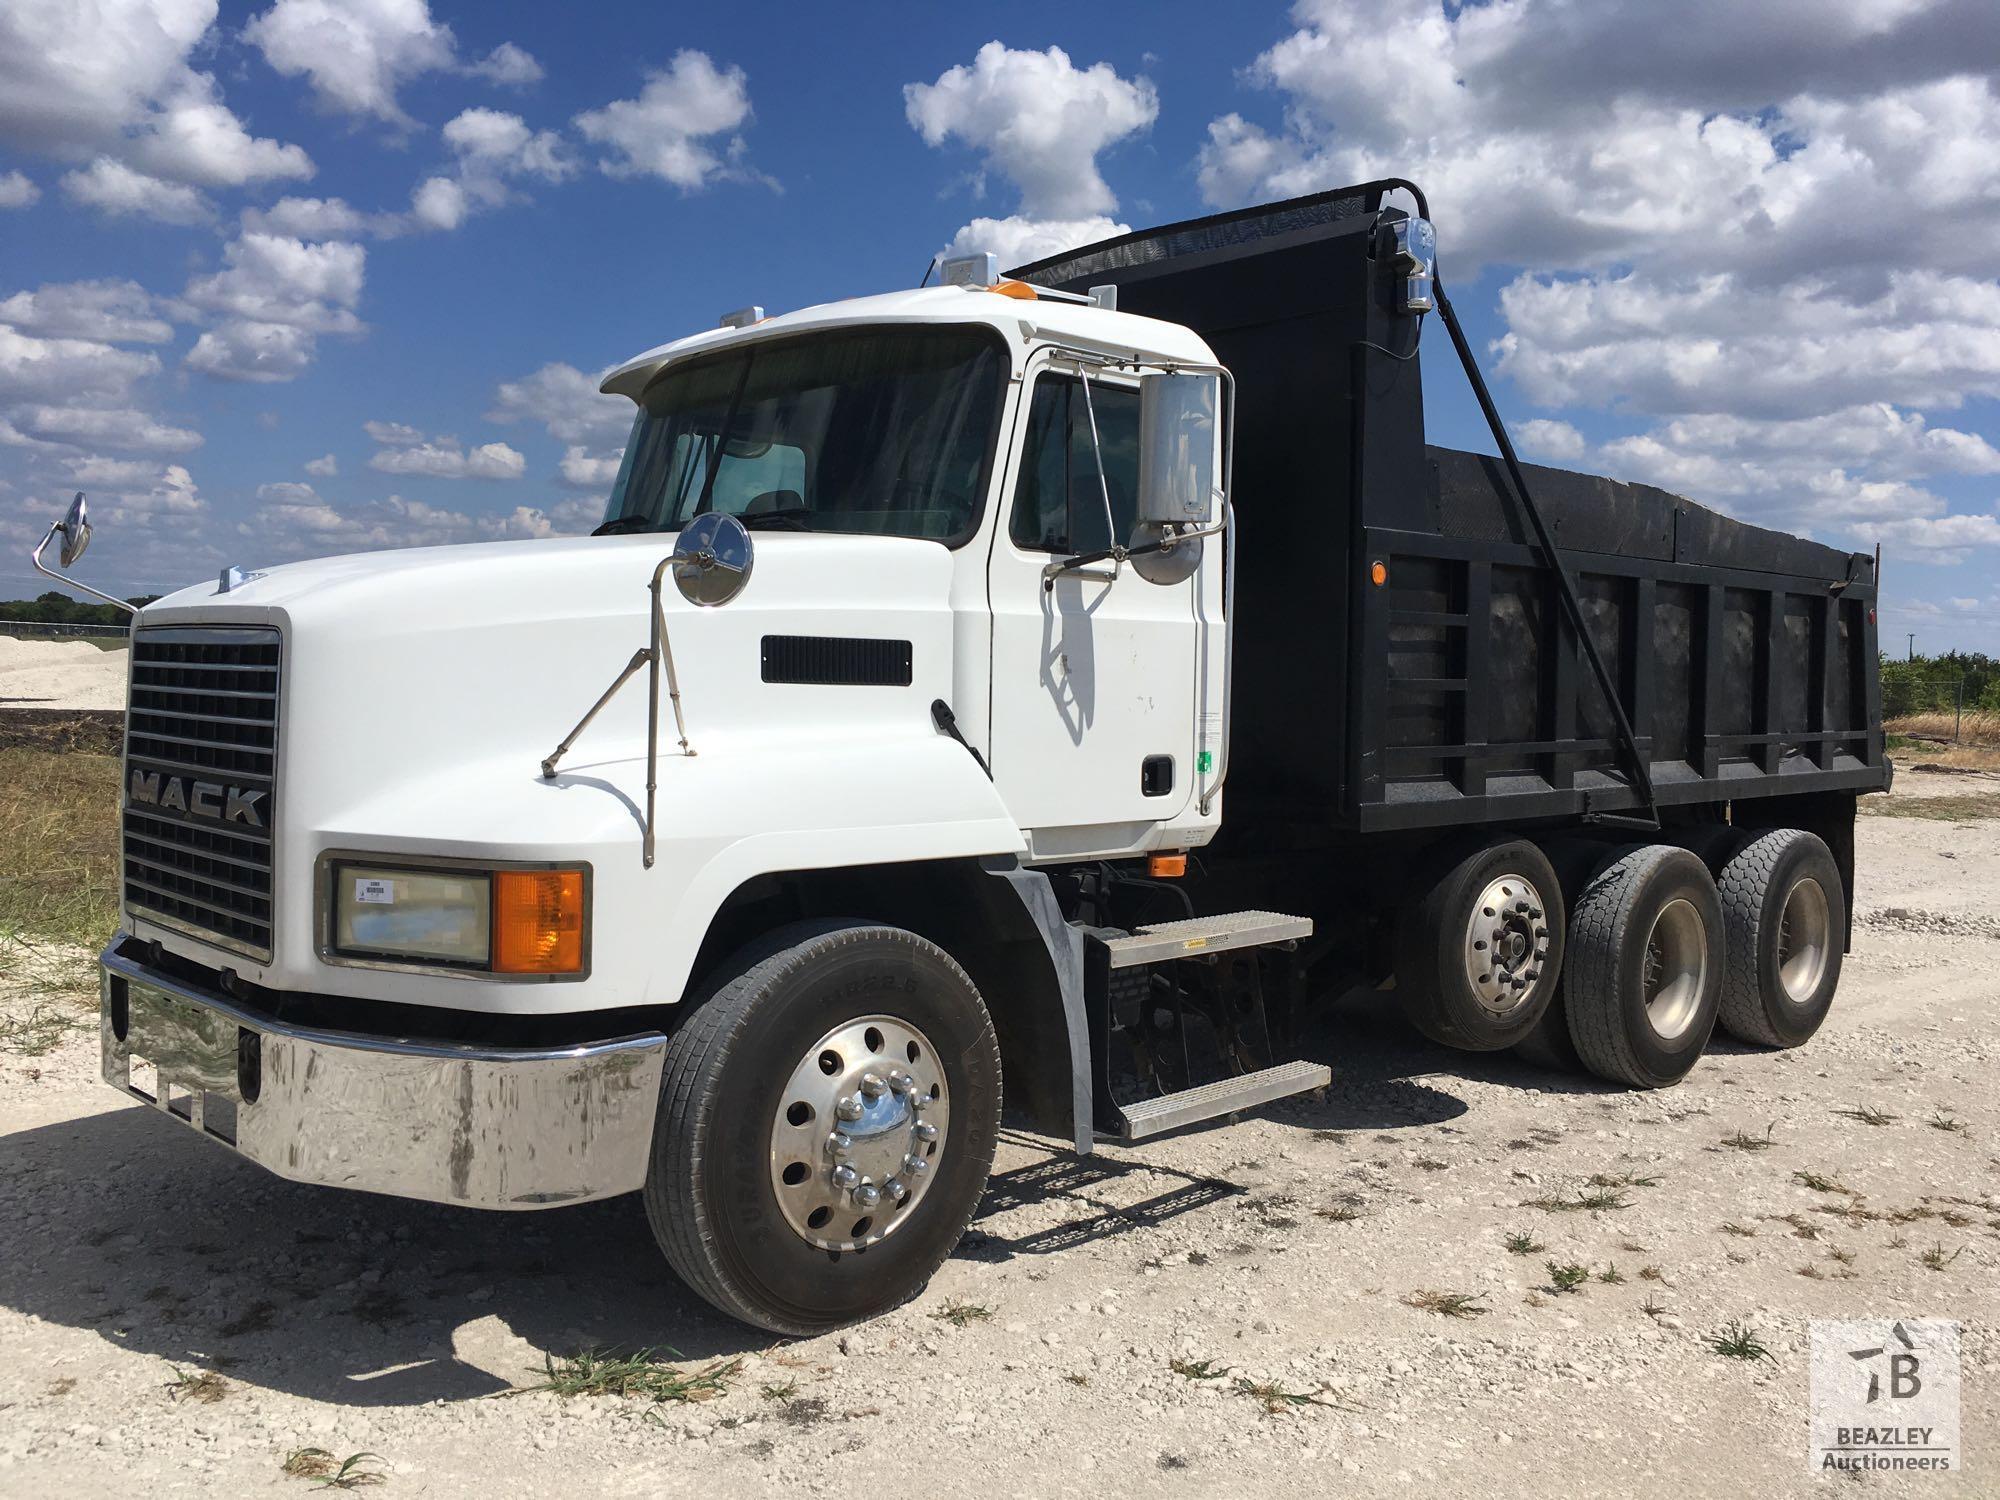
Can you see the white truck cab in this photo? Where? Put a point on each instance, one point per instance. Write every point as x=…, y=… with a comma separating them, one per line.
x=930, y=586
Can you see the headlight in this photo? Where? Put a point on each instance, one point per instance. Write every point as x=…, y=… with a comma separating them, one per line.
x=521, y=922
x=430, y=914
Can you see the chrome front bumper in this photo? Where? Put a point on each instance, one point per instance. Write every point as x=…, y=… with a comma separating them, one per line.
x=480, y=1126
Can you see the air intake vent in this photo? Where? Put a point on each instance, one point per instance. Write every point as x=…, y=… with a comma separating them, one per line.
x=837, y=661
x=201, y=755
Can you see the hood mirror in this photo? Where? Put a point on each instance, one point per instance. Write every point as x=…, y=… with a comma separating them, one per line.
x=75, y=530
x=712, y=559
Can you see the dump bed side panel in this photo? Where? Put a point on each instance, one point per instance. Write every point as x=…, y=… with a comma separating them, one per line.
x=1745, y=660
x=1455, y=691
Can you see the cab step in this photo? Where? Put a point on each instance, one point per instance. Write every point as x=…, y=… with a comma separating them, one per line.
x=1225, y=1096
x=1164, y=941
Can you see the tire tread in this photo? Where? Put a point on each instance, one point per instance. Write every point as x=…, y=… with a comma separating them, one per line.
x=676, y=1208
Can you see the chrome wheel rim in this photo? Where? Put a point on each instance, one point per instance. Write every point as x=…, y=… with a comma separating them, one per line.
x=1506, y=944
x=1676, y=968
x=1805, y=935
x=859, y=1133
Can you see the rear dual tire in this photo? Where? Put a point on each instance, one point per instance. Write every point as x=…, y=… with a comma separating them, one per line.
x=1785, y=913
x=1645, y=967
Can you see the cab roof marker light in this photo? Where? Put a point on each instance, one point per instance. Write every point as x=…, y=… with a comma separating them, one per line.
x=980, y=270
x=743, y=317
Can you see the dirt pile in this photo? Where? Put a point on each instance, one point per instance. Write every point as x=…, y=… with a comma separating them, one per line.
x=60, y=675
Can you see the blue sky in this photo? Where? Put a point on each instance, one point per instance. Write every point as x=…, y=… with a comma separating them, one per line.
x=1684, y=236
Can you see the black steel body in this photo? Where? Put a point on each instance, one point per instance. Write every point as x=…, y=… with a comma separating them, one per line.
x=1455, y=692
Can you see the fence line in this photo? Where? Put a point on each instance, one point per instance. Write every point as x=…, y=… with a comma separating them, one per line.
x=30, y=628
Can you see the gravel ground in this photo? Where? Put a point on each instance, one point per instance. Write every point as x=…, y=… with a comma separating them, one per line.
x=1286, y=1251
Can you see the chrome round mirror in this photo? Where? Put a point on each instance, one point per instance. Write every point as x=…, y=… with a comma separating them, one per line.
x=75, y=531
x=1175, y=564
x=712, y=559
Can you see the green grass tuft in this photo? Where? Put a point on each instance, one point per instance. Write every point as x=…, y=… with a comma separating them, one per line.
x=1738, y=1340
x=644, y=1374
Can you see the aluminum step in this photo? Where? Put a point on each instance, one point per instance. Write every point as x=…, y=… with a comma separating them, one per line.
x=1224, y=1096
x=1190, y=939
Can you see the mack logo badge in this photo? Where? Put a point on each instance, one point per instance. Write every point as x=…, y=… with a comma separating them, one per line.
x=214, y=800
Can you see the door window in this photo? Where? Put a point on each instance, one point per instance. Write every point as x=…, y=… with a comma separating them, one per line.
x=1059, y=500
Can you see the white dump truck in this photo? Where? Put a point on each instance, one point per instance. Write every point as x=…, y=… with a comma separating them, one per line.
x=875, y=749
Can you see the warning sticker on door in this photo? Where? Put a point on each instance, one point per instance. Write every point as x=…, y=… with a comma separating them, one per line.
x=374, y=891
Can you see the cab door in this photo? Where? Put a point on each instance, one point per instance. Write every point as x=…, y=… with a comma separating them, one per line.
x=1095, y=678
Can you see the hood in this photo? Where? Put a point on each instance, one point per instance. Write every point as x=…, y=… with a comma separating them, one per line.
x=437, y=662
x=545, y=581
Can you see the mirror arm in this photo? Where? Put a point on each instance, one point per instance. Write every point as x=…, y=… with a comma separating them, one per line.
x=658, y=654
x=55, y=531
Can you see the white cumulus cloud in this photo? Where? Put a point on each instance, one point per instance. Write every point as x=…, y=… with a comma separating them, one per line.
x=564, y=400
x=1041, y=122
x=669, y=130
x=111, y=312
x=119, y=191
x=404, y=450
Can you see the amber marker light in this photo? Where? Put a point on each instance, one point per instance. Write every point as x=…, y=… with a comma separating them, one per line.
x=1167, y=866
x=1378, y=574
x=537, y=921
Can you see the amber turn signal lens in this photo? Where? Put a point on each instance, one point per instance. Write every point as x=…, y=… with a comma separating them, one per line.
x=1378, y=574
x=1167, y=866
x=537, y=921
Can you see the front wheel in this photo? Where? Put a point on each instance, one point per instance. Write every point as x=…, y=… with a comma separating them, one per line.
x=827, y=1121
x=1480, y=952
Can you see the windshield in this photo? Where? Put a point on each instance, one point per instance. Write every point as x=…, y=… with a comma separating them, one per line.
x=883, y=430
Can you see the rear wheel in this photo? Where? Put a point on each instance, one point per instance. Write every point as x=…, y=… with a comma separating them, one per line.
x=1480, y=952
x=1645, y=966
x=1786, y=914
x=827, y=1121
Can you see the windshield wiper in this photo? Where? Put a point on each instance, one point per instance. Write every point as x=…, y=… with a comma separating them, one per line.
x=618, y=525
x=792, y=517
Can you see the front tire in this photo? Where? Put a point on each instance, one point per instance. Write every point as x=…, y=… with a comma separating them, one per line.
x=1645, y=966
x=827, y=1121
x=1480, y=953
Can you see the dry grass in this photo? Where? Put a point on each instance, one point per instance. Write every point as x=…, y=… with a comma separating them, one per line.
x=59, y=846
x=1976, y=727
x=1946, y=807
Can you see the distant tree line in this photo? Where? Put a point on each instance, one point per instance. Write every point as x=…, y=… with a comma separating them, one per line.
x=1937, y=684
x=53, y=608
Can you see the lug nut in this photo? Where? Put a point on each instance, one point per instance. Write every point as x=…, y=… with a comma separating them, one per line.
x=926, y=1131
x=916, y=1165
x=848, y=1108
x=839, y=1144
x=872, y=1086
x=921, y=1103
x=896, y=1189
x=868, y=1195
x=845, y=1178
x=901, y=1082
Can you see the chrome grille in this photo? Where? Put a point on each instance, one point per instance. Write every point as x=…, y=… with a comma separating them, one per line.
x=201, y=757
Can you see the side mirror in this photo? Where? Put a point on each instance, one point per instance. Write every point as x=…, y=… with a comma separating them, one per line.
x=1177, y=420
x=75, y=529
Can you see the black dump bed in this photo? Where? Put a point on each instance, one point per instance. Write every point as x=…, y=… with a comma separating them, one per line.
x=1455, y=691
